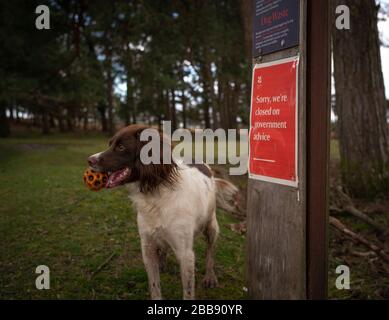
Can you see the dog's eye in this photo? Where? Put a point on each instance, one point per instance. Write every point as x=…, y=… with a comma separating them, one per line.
x=121, y=147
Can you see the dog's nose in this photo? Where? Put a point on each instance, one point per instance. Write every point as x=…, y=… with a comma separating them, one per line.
x=92, y=161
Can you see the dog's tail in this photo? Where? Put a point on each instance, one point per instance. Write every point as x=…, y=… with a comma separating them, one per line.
x=226, y=194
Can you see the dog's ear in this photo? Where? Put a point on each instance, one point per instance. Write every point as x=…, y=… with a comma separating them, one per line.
x=152, y=175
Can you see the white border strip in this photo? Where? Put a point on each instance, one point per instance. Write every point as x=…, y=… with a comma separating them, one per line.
x=266, y=178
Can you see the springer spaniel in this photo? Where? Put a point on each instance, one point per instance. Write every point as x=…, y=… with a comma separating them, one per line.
x=174, y=203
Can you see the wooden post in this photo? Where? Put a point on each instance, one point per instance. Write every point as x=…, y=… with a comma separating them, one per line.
x=318, y=145
x=286, y=233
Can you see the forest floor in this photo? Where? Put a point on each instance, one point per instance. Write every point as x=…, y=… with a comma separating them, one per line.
x=369, y=273
x=89, y=240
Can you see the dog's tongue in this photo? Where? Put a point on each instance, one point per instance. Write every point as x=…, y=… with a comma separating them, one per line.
x=118, y=177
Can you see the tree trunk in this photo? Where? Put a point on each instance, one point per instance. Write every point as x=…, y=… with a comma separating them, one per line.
x=159, y=122
x=166, y=100
x=36, y=122
x=17, y=114
x=222, y=101
x=173, y=109
x=360, y=102
x=4, y=124
x=246, y=13
x=52, y=121
x=235, y=93
x=69, y=119
x=129, y=100
x=11, y=112
x=183, y=102
x=207, y=88
x=61, y=123
x=215, y=120
x=184, y=99
x=86, y=119
x=134, y=113
x=103, y=117
x=110, y=96
x=111, y=128
x=45, y=122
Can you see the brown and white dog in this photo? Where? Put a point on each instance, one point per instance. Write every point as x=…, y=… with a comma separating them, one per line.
x=174, y=203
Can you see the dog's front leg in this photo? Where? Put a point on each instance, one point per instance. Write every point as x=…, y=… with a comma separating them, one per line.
x=187, y=266
x=151, y=261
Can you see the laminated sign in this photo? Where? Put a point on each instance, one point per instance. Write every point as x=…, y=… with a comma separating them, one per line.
x=273, y=122
x=276, y=25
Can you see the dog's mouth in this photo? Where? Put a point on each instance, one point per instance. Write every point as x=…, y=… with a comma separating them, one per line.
x=118, y=177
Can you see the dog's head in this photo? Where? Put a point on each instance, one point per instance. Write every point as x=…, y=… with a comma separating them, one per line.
x=123, y=164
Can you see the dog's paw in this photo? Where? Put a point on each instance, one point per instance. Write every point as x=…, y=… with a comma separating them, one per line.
x=210, y=281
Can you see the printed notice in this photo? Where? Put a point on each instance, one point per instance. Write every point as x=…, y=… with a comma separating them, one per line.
x=276, y=25
x=273, y=122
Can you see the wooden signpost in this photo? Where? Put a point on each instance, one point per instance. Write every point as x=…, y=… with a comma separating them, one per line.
x=287, y=208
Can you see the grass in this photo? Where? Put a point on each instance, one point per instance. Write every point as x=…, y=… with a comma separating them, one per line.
x=48, y=217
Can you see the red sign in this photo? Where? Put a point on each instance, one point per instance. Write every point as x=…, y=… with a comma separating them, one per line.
x=273, y=127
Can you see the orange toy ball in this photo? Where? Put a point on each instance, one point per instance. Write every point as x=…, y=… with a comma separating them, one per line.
x=95, y=181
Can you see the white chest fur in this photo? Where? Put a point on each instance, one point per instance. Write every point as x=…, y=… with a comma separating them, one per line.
x=173, y=213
